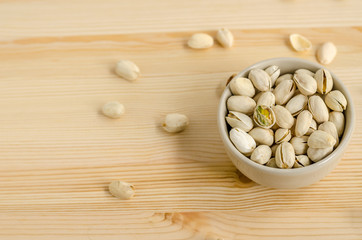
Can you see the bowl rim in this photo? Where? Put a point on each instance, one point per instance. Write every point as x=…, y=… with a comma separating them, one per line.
x=292, y=171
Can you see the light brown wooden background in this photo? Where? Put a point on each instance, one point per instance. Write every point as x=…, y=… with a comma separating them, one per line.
x=58, y=153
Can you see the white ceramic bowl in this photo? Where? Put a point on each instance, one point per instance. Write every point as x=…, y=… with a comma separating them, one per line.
x=286, y=178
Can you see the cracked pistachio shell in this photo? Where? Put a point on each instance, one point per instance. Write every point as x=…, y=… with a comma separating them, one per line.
x=336, y=101
x=121, y=190
x=297, y=104
x=242, y=141
x=284, y=91
x=287, y=76
x=282, y=135
x=264, y=116
x=261, y=154
x=175, y=122
x=225, y=37
x=326, y=53
x=324, y=81
x=283, y=117
x=312, y=127
x=300, y=144
x=330, y=128
x=285, y=155
x=299, y=42
x=260, y=79
x=239, y=120
x=242, y=86
x=113, y=109
x=200, y=41
x=241, y=104
x=274, y=149
x=274, y=72
x=338, y=119
x=271, y=163
x=306, y=71
x=318, y=109
x=317, y=154
x=127, y=70
x=321, y=139
x=301, y=161
x=304, y=120
x=262, y=136
x=266, y=98
x=306, y=84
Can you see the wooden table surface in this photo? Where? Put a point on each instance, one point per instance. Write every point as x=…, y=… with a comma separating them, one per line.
x=58, y=153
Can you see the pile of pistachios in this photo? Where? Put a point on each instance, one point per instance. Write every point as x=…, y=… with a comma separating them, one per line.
x=287, y=121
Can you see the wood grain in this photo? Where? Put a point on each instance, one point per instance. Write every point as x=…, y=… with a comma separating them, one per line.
x=58, y=153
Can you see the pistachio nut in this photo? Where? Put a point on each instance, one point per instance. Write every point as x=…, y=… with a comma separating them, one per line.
x=317, y=154
x=127, y=70
x=306, y=71
x=299, y=42
x=284, y=91
x=242, y=141
x=200, y=41
x=301, y=161
x=260, y=79
x=262, y=136
x=318, y=109
x=304, y=120
x=242, y=86
x=264, y=116
x=285, y=156
x=266, y=98
x=282, y=135
x=121, y=190
x=257, y=96
x=330, y=128
x=300, y=144
x=225, y=37
x=321, y=139
x=261, y=154
x=271, y=163
x=306, y=84
x=274, y=149
x=274, y=72
x=324, y=81
x=113, y=109
x=326, y=53
x=239, y=120
x=336, y=101
x=297, y=104
x=287, y=76
x=312, y=127
x=241, y=104
x=283, y=117
x=175, y=122
x=338, y=119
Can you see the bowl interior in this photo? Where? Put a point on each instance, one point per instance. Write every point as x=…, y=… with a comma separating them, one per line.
x=287, y=65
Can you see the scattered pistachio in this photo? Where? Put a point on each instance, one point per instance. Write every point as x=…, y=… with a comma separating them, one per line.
x=326, y=53
x=121, y=190
x=299, y=42
x=113, y=109
x=200, y=41
x=175, y=122
x=127, y=70
x=225, y=37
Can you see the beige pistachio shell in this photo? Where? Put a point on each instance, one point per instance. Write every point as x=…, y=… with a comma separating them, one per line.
x=306, y=71
x=261, y=154
x=262, y=136
x=282, y=135
x=330, y=128
x=225, y=37
x=274, y=149
x=301, y=161
x=317, y=154
x=285, y=155
x=200, y=41
x=284, y=118
x=300, y=144
x=321, y=139
x=326, y=53
x=287, y=76
x=242, y=86
x=241, y=104
x=239, y=120
x=175, y=122
x=264, y=116
x=299, y=43
x=324, y=81
x=260, y=79
x=274, y=72
x=338, y=119
x=318, y=109
x=284, y=91
x=297, y=104
x=127, y=70
x=266, y=98
x=271, y=163
x=336, y=101
x=242, y=140
x=304, y=120
x=121, y=190
x=306, y=84
x=258, y=95
x=312, y=127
